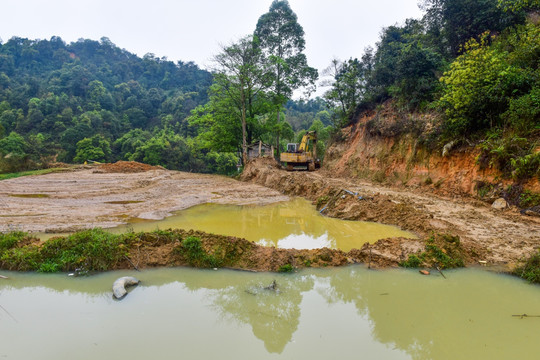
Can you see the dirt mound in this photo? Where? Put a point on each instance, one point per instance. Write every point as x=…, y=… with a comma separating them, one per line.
x=254, y=166
x=125, y=167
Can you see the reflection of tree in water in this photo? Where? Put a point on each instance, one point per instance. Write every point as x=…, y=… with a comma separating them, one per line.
x=378, y=297
x=274, y=317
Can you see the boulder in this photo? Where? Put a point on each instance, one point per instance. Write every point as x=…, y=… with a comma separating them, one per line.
x=499, y=204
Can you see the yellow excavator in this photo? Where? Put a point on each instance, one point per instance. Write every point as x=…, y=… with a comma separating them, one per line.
x=303, y=154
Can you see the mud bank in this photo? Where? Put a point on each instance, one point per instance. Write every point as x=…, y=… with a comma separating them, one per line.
x=388, y=147
x=487, y=236
x=96, y=250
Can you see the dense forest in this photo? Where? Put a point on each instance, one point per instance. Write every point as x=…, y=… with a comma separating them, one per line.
x=92, y=101
x=473, y=65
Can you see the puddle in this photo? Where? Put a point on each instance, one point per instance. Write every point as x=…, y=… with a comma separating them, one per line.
x=292, y=224
x=123, y=202
x=21, y=215
x=30, y=196
x=345, y=313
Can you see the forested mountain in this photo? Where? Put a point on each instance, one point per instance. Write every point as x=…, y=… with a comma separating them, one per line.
x=53, y=95
x=473, y=65
x=91, y=100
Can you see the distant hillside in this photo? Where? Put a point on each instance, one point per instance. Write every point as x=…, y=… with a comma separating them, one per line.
x=53, y=95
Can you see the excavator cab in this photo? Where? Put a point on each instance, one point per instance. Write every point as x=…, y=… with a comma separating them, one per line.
x=292, y=147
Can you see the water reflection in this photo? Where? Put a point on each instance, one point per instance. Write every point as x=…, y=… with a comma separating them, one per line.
x=291, y=224
x=317, y=313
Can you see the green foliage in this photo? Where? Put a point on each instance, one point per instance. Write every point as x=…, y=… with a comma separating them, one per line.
x=441, y=250
x=348, y=87
x=96, y=148
x=530, y=269
x=71, y=92
x=195, y=255
x=494, y=85
x=89, y=250
x=528, y=199
x=452, y=23
x=518, y=5
x=13, y=153
x=28, y=173
x=26, y=258
x=10, y=240
x=282, y=42
x=513, y=155
x=413, y=261
x=287, y=268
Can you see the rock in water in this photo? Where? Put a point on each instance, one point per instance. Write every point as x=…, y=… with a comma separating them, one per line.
x=119, y=286
x=499, y=204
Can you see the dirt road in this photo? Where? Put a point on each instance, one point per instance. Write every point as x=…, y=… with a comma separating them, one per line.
x=69, y=201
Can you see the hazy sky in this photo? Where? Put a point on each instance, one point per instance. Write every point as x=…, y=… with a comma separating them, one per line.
x=192, y=30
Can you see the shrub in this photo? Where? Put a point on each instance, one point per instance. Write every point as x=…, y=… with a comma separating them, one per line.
x=195, y=255
x=287, y=268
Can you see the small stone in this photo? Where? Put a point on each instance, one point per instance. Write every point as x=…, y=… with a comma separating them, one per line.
x=499, y=204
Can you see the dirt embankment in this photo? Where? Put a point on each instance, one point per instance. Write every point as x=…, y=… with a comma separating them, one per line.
x=390, y=148
x=487, y=235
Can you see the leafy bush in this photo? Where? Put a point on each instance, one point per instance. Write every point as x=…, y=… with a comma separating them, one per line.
x=194, y=253
x=442, y=250
x=287, y=268
x=90, y=250
x=413, y=261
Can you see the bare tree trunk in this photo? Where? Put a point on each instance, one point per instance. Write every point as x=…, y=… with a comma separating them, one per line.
x=277, y=136
x=244, y=132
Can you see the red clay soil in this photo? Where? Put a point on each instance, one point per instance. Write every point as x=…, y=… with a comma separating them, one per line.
x=126, y=167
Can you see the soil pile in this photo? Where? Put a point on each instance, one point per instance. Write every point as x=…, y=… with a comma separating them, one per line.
x=126, y=167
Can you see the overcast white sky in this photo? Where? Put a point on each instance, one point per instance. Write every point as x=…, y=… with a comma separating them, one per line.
x=192, y=30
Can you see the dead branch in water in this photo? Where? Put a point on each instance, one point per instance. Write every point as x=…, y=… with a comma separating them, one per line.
x=525, y=316
x=7, y=312
x=132, y=264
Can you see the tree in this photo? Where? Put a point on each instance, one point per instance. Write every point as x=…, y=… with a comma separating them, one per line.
x=13, y=153
x=242, y=75
x=282, y=42
x=518, y=5
x=457, y=21
x=96, y=148
x=348, y=85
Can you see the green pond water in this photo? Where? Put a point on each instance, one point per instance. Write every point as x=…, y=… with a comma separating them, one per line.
x=291, y=224
x=345, y=313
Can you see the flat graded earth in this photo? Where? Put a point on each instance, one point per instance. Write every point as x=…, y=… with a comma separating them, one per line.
x=104, y=196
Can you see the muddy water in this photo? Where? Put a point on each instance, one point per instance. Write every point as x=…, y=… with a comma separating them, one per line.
x=346, y=313
x=292, y=224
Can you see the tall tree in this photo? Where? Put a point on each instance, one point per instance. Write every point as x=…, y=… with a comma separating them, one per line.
x=348, y=86
x=242, y=75
x=282, y=41
x=457, y=21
